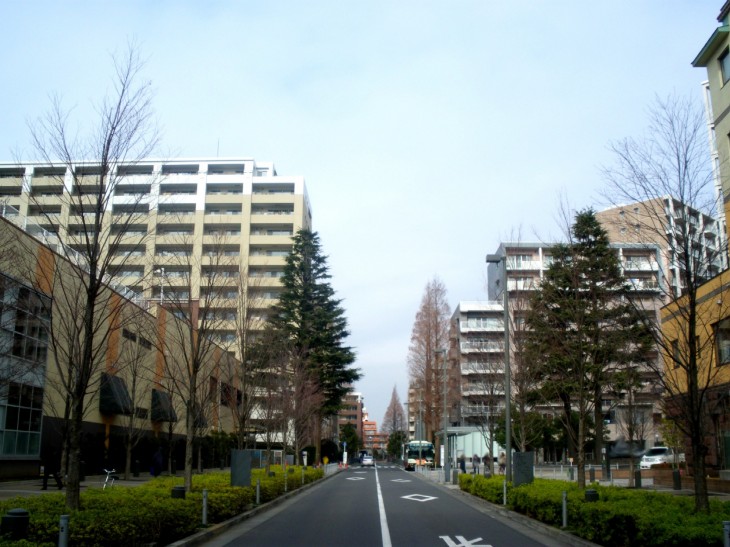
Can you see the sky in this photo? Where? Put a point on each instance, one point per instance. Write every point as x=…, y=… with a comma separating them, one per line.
x=426, y=131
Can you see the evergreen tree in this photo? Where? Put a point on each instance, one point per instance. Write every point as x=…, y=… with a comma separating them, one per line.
x=582, y=329
x=313, y=321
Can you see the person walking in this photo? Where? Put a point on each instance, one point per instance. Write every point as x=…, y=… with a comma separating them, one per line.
x=51, y=461
x=475, y=464
x=462, y=463
x=502, y=463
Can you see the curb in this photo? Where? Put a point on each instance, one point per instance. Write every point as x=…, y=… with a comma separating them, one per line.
x=211, y=532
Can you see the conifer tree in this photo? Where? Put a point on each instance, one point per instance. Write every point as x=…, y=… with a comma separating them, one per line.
x=582, y=330
x=313, y=321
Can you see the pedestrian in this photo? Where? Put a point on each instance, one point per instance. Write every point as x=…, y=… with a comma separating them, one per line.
x=51, y=461
x=475, y=464
x=488, y=464
x=157, y=463
x=502, y=462
x=462, y=463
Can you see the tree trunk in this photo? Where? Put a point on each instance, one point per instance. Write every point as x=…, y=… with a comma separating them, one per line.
x=128, y=459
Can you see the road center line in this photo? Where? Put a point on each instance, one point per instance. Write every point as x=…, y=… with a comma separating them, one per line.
x=384, y=532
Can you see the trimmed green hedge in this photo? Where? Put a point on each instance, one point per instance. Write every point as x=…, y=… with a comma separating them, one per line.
x=621, y=517
x=123, y=516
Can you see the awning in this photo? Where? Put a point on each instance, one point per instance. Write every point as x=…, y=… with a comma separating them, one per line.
x=113, y=396
x=161, y=409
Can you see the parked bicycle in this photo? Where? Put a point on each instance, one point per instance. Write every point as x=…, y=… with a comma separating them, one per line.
x=110, y=478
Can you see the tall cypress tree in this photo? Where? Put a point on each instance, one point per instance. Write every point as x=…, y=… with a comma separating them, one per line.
x=313, y=320
x=582, y=329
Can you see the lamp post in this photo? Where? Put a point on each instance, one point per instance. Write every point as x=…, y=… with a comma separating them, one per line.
x=496, y=259
x=446, y=463
x=161, y=273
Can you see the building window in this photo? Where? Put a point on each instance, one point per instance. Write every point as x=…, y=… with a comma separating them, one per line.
x=724, y=61
x=722, y=336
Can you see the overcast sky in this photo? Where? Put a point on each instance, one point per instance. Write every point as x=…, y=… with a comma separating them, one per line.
x=426, y=131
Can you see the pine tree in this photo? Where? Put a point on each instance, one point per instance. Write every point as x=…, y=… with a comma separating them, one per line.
x=313, y=321
x=582, y=330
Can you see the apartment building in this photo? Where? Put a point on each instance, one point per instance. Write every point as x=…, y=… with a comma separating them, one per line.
x=526, y=266
x=478, y=344
x=715, y=58
x=177, y=229
x=128, y=388
x=351, y=412
x=666, y=222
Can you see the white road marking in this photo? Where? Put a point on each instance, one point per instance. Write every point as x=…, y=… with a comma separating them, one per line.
x=401, y=480
x=384, y=531
x=463, y=542
x=355, y=478
x=418, y=497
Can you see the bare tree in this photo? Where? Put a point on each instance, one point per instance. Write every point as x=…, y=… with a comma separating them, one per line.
x=430, y=333
x=192, y=345
x=123, y=133
x=394, y=419
x=668, y=177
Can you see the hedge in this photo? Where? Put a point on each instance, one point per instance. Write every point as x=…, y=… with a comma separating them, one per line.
x=123, y=516
x=621, y=516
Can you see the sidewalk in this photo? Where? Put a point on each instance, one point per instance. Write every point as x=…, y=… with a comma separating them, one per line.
x=32, y=487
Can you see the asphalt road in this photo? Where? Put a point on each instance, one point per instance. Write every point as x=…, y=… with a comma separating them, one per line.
x=384, y=506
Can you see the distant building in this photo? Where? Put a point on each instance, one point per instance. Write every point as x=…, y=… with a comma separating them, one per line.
x=351, y=412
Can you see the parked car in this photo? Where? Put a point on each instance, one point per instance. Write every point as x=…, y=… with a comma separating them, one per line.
x=367, y=461
x=658, y=455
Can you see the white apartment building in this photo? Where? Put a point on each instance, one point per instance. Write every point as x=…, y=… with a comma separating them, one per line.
x=185, y=211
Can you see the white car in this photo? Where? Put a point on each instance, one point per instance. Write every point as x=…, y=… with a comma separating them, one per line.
x=367, y=461
x=658, y=455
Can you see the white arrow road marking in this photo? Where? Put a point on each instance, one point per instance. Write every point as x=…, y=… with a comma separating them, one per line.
x=463, y=542
x=419, y=497
x=401, y=480
x=356, y=478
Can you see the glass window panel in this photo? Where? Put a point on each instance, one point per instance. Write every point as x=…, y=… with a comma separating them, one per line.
x=34, y=444
x=24, y=419
x=11, y=419
x=21, y=443
x=9, y=442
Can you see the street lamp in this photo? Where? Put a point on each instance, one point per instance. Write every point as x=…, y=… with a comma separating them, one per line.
x=446, y=463
x=496, y=259
x=161, y=272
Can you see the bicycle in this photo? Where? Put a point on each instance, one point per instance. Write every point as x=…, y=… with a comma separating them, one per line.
x=110, y=478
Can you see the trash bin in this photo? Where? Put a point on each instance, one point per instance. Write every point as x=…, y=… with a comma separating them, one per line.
x=591, y=495
x=15, y=524
x=178, y=492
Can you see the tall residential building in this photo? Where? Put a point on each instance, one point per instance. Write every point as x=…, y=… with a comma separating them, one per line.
x=192, y=221
x=351, y=412
x=478, y=330
x=526, y=266
x=715, y=57
x=662, y=221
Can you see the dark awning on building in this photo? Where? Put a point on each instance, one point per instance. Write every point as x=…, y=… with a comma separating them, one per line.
x=113, y=396
x=161, y=409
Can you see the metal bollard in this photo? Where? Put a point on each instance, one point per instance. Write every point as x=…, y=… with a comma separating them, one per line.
x=258, y=491
x=205, y=508
x=504, y=492
x=726, y=533
x=302, y=476
x=565, y=509
x=63, y=531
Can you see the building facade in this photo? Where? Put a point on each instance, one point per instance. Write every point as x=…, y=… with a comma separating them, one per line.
x=177, y=230
x=526, y=265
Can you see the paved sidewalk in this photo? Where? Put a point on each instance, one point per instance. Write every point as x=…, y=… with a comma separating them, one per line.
x=32, y=487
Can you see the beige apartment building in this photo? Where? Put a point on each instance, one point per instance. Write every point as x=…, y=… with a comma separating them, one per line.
x=180, y=228
x=526, y=265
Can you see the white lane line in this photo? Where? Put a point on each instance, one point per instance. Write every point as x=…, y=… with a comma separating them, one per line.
x=384, y=532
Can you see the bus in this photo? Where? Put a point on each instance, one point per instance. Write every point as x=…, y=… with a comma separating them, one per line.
x=418, y=453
